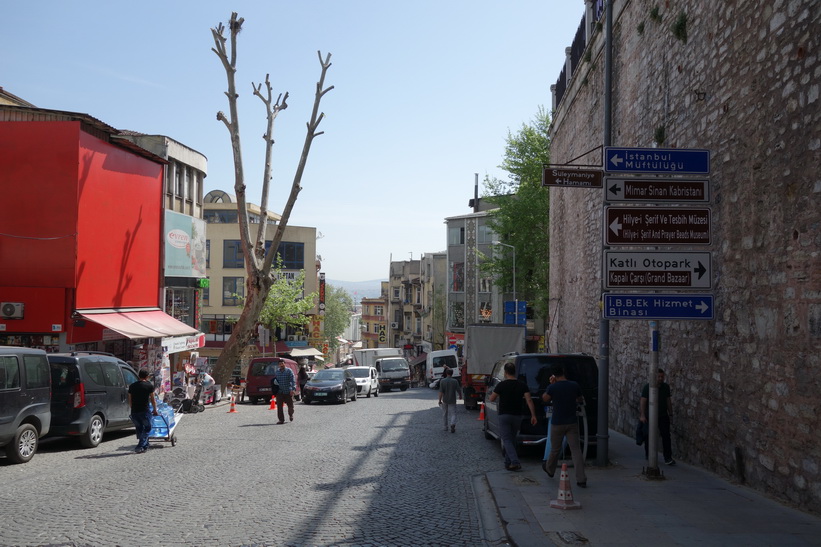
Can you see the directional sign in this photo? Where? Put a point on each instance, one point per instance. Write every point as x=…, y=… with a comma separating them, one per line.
x=580, y=178
x=656, y=190
x=654, y=270
x=657, y=226
x=658, y=306
x=656, y=160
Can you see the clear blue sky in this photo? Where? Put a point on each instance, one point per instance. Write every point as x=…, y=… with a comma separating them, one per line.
x=424, y=95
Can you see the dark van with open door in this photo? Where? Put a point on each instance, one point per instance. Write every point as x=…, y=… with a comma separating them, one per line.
x=534, y=369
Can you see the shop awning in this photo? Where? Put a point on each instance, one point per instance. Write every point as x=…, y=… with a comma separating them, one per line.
x=145, y=323
x=418, y=359
x=304, y=352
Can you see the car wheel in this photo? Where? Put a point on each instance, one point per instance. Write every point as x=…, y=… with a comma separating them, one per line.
x=368, y=396
x=344, y=398
x=403, y=388
x=24, y=445
x=94, y=433
x=306, y=401
x=353, y=398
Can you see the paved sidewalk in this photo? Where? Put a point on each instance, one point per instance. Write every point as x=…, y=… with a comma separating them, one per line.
x=621, y=507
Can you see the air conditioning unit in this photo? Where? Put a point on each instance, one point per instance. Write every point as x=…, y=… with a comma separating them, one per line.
x=11, y=310
x=394, y=325
x=292, y=338
x=302, y=338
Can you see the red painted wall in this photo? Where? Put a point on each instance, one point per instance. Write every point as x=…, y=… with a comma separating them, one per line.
x=79, y=214
x=119, y=226
x=38, y=197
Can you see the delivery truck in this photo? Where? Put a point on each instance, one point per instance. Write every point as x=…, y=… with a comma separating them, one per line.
x=486, y=343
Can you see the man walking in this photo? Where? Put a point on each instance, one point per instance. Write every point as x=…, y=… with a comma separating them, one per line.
x=665, y=410
x=287, y=388
x=448, y=391
x=510, y=393
x=564, y=394
x=140, y=393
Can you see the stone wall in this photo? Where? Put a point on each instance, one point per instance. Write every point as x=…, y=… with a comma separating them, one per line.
x=745, y=85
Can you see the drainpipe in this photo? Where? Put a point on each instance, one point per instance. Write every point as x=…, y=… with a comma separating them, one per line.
x=603, y=416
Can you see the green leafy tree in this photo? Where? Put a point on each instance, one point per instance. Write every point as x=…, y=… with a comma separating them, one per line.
x=339, y=306
x=285, y=305
x=522, y=219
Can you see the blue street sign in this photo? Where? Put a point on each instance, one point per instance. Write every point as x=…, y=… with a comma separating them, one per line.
x=658, y=306
x=672, y=161
x=511, y=317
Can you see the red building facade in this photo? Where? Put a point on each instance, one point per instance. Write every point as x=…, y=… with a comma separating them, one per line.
x=81, y=245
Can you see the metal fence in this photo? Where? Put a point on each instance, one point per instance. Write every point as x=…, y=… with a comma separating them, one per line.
x=577, y=50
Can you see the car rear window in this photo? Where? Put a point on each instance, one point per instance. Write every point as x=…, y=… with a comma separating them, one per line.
x=535, y=371
x=329, y=375
x=445, y=361
x=63, y=376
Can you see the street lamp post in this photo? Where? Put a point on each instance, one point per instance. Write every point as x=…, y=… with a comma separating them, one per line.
x=515, y=300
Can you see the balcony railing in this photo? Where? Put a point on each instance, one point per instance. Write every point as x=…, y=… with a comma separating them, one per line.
x=576, y=51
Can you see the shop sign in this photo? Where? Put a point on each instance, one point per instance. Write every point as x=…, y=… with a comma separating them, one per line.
x=184, y=245
x=183, y=343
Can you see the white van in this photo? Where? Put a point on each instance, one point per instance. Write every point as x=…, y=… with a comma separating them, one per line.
x=367, y=383
x=436, y=361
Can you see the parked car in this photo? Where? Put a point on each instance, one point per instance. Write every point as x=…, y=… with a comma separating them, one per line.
x=535, y=369
x=330, y=384
x=261, y=372
x=367, y=383
x=89, y=395
x=25, y=413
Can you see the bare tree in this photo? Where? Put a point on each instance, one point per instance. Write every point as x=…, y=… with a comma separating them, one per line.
x=258, y=263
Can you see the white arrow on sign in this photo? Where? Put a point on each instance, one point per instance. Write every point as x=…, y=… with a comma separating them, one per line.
x=616, y=160
x=615, y=226
x=702, y=307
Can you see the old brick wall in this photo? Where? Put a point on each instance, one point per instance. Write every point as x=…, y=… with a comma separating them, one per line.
x=745, y=85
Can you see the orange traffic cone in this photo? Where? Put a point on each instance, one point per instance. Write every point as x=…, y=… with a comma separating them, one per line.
x=273, y=403
x=481, y=417
x=233, y=406
x=565, y=500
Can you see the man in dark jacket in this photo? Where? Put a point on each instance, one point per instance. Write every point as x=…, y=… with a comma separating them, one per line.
x=565, y=395
x=140, y=393
x=510, y=393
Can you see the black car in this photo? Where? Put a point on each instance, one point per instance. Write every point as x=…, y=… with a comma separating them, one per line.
x=330, y=384
x=89, y=395
x=24, y=401
x=535, y=369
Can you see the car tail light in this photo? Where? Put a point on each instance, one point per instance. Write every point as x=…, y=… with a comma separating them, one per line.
x=80, y=396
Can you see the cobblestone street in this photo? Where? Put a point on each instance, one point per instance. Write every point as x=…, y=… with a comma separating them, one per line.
x=378, y=471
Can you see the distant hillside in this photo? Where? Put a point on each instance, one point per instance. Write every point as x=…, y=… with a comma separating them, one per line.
x=359, y=289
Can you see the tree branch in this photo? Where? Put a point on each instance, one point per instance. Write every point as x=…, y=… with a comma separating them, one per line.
x=316, y=117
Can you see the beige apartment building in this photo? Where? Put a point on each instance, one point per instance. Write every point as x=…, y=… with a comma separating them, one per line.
x=222, y=300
